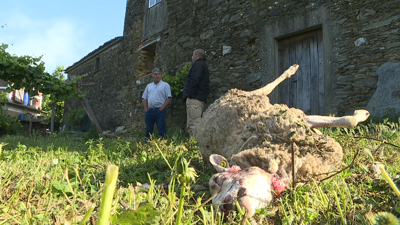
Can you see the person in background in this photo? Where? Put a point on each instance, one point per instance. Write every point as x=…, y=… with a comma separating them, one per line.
x=195, y=90
x=156, y=98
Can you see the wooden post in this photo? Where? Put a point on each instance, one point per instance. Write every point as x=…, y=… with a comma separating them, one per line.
x=52, y=120
x=293, y=173
x=91, y=115
x=30, y=125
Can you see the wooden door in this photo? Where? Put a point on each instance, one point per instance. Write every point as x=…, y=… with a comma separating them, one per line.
x=305, y=89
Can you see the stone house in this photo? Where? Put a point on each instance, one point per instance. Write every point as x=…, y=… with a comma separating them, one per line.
x=343, y=48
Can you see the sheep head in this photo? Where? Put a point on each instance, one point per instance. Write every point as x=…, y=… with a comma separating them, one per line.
x=252, y=187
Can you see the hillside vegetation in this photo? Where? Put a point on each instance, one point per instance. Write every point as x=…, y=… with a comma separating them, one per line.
x=60, y=179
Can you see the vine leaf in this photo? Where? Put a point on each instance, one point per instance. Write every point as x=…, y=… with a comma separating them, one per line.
x=26, y=72
x=145, y=214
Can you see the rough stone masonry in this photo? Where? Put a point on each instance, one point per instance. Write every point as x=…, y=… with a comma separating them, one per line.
x=246, y=43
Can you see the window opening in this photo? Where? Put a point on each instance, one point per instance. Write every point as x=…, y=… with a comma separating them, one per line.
x=146, y=60
x=153, y=3
x=96, y=64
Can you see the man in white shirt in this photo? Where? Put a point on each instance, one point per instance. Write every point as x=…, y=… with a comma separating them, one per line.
x=156, y=98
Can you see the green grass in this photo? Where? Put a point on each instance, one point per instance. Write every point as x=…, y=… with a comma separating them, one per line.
x=60, y=179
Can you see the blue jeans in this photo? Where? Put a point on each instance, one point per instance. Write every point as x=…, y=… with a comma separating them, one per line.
x=158, y=117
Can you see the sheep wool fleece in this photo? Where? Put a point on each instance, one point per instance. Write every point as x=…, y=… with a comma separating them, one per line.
x=253, y=132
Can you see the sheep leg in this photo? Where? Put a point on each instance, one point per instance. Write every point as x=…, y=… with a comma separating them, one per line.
x=345, y=121
x=266, y=90
x=247, y=205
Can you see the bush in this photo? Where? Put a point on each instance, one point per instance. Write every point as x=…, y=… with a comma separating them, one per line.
x=90, y=134
x=75, y=117
x=177, y=81
x=8, y=124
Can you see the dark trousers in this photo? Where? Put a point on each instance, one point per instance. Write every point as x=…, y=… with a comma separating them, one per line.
x=158, y=117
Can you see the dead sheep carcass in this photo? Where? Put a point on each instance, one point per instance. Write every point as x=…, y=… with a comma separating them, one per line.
x=242, y=129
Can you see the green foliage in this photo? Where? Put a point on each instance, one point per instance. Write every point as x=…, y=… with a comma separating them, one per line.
x=3, y=98
x=76, y=116
x=185, y=173
x=177, y=81
x=28, y=72
x=145, y=214
x=37, y=168
x=61, y=187
x=108, y=195
x=49, y=102
x=383, y=218
x=91, y=134
x=8, y=124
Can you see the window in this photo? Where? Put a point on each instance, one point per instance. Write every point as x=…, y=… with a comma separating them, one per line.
x=96, y=64
x=153, y=3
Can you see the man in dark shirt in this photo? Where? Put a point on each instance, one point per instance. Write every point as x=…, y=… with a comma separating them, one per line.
x=195, y=90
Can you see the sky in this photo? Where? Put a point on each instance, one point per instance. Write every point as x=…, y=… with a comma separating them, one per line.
x=63, y=32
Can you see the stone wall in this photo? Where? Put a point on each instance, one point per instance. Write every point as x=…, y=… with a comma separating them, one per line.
x=240, y=39
x=368, y=39
x=100, y=85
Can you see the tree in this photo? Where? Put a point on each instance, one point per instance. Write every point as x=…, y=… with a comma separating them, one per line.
x=28, y=72
x=48, y=101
